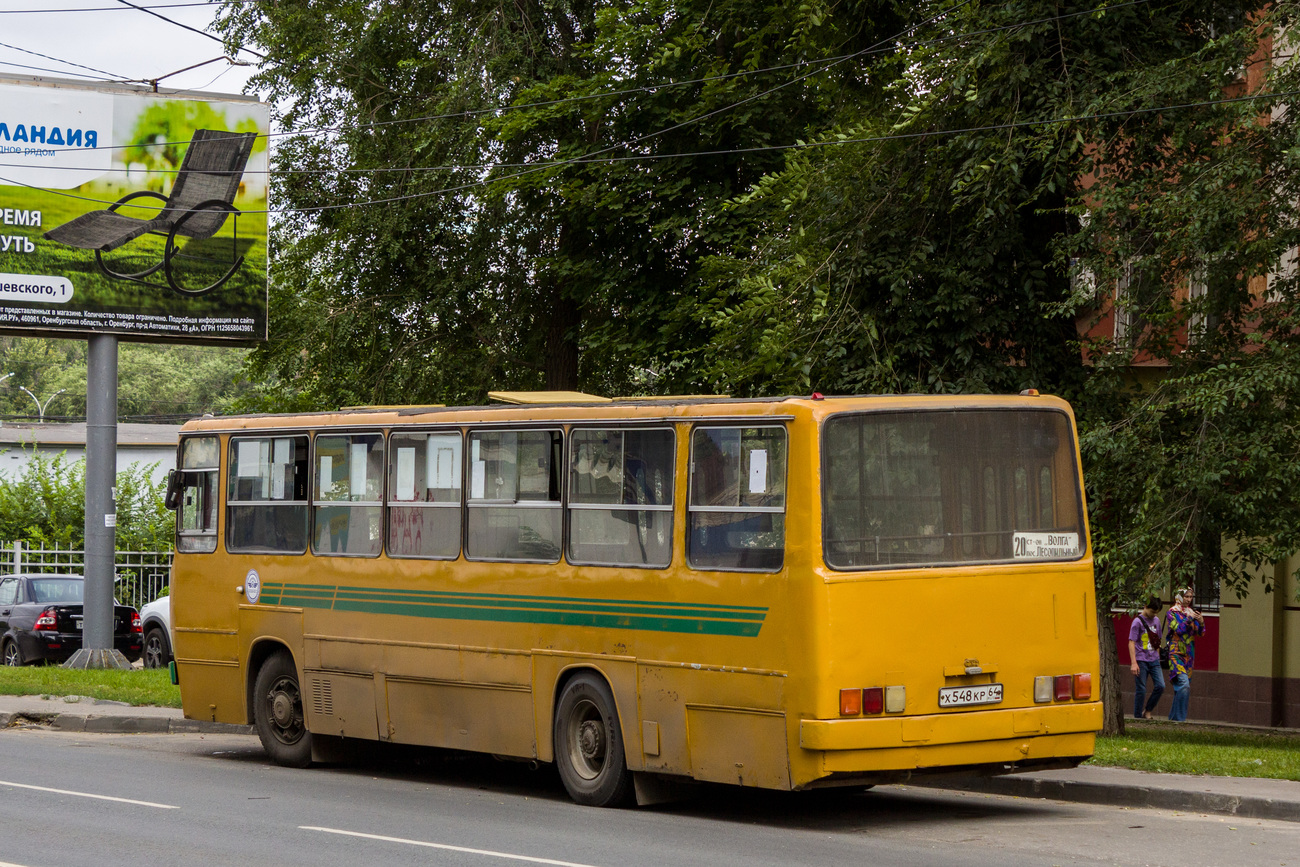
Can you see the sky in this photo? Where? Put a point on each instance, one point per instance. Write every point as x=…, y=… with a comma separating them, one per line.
x=117, y=42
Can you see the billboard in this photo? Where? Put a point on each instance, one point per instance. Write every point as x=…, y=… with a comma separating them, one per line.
x=130, y=212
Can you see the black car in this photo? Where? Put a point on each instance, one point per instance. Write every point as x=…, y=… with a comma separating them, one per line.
x=41, y=618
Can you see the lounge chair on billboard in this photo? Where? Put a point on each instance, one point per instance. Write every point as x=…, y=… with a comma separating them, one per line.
x=201, y=199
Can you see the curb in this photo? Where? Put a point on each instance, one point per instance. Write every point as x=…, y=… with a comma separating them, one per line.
x=1245, y=806
x=71, y=722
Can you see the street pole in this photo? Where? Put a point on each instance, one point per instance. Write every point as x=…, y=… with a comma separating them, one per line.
x=101, y=512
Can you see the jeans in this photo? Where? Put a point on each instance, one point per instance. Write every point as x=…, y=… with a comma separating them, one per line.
x=1152, y=670
x=1182, y=685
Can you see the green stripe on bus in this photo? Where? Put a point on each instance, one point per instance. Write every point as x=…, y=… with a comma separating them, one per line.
x=653, y=617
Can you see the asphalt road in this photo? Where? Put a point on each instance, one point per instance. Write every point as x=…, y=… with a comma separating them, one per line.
x=79, y=799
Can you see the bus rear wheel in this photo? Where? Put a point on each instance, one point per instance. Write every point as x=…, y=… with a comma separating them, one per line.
x=588, y=744
x=278, y=713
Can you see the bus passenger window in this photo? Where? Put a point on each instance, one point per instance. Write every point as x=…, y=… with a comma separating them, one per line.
x=196, y=514
x=347, y=510
x=513, y=510
x=424, y=488
x=621, y=497
x=736, y=511
x=266, y=495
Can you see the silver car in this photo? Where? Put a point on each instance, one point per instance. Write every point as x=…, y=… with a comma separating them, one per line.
x=156, y=620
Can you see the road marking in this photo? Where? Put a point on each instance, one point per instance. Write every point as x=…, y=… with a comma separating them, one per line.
x=445, y=846
x=7, y=864
x=88, y=795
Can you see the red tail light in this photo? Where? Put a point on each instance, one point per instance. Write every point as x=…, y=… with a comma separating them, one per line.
x=1064, y=687
x=873, y=699
x=135, y=623
x=47, y=620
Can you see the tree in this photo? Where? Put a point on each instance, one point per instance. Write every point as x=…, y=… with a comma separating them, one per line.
x=939, y=246
x=154, y=381
x=498, y=257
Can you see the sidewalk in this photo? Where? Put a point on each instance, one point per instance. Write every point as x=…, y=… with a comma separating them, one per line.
x=1120, y=787
x=1233, y=796
x=81, y=714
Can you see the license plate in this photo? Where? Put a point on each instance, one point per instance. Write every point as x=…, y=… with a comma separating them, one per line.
x=964, y=696
x=76, y=624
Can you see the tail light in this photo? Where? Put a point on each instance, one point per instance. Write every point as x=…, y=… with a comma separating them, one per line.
x=48, y=620
x=873, y=699
x=1082, y=687
x=850, y=702
x=1043, y=688
x=135, y=622
x=1064, y=687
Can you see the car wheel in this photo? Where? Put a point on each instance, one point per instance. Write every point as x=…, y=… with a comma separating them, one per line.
x=156, y=652
x=278, y=714
x=589, y=744
x=12, y=655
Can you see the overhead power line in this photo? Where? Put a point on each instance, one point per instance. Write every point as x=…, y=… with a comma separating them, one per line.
x=58, y=60
x=143, y=6
x=211, y=36
x=818, y=66
x=532, y=168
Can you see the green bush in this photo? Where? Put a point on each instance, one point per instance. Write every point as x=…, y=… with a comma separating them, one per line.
x=46, y=505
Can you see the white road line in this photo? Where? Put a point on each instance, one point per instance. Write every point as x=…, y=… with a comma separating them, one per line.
x=7, y=864
x=87, y=795
x=426, y=845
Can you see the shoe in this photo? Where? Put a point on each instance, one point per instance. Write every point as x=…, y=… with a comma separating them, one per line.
x=1147, y=715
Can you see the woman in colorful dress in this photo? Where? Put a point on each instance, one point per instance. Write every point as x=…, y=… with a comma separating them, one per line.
x=1183, y=624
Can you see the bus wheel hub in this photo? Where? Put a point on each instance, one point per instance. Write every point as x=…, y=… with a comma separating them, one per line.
x=591, y=739
x=282, y=709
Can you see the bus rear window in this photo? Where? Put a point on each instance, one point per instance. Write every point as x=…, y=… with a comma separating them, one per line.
x=944, y=487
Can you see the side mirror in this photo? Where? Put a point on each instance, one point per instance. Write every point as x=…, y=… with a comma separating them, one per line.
x=175, y=487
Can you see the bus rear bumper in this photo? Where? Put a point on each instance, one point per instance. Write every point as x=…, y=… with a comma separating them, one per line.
x=984, y=743
x=950, y=728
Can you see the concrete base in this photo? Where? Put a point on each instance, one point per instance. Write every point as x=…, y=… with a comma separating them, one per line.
x=86, y=659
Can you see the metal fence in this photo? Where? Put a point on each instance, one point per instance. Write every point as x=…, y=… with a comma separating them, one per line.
x=140, y=576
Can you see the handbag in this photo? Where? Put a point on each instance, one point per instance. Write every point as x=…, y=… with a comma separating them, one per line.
x=1164, y=656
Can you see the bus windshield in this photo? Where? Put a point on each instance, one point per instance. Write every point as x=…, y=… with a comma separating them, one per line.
x=930, y=488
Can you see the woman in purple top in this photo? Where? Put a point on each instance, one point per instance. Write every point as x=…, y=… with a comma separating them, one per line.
x=1144, y=653
x=1182, y=625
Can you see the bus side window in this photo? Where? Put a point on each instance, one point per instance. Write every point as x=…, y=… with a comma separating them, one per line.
x=196, y=510
x=424, y=492
x=621, y=497
x=736, y=510
x=266, y=495
x=514, y=510
x=347, y=509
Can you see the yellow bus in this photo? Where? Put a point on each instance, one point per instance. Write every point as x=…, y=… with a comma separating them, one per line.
x=787, y=593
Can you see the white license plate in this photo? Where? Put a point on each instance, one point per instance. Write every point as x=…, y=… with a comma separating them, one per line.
x=76, y=624
x=963, y=696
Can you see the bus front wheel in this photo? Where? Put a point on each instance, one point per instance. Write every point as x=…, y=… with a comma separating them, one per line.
x=278, y=714
x=589, y=744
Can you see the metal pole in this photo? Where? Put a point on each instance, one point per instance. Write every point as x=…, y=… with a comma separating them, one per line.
x=101, y=512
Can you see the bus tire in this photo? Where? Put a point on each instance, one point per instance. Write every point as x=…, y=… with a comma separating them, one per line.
x=278, y=713
x=588, y=744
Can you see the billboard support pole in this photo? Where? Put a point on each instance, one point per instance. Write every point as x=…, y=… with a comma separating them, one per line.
x=97, y=649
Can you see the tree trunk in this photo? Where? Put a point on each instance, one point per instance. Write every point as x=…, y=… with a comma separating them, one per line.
x=562, y=322
x=1112, y=699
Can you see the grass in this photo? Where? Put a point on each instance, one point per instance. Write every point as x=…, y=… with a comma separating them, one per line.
x=1220, y=751
x=136, y=687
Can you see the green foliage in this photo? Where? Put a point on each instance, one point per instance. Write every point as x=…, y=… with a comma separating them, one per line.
x=153, y=380
x=468, y=277
x=46, y=504
x=163, y=131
